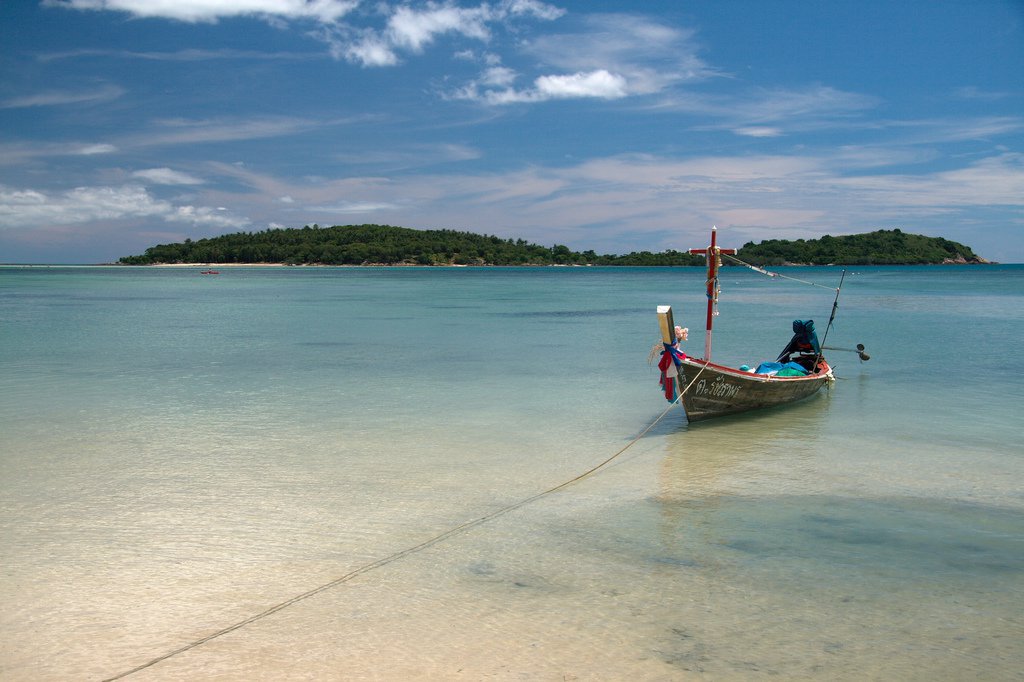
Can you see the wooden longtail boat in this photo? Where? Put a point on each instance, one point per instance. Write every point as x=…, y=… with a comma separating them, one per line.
x=712, y=390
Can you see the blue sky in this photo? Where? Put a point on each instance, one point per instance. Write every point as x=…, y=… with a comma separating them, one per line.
x=599, y=124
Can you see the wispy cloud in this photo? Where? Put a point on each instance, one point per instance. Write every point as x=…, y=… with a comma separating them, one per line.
x=373, y=38
x=167, y=176
x=351, y=207
x=808, y=155
x=14, y=153
x=213, y=10
x=773, y=112
x=632, y=201
x=186, y=55
x=52, y=98
x=658, y=200
x=411, y=29
x=649, y=54
x=974, y=93
x=92, y=149
x=411, y=156
x=997, y=180
x=172, y=132
x=758, y=131
x=175, y=131
x=217, y=218
x=407, y=28
x=944, y=130
x=605, y=57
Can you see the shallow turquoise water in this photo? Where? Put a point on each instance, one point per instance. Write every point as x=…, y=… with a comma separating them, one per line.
x=180, y=452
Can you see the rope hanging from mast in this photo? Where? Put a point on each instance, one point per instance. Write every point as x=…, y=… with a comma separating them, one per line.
x=776, y=274
x=714, y=286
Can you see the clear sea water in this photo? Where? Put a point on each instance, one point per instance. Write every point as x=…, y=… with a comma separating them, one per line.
x=180, y=453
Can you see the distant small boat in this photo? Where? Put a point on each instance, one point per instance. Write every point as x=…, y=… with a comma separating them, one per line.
x=210, y=272
x=712, y=390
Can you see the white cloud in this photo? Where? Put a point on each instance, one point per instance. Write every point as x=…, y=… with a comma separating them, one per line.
x=371, y=50
x=166, y=176
x=758, y=131
x=79, y=205
x=412, y=28
x=93, y=149
x=607, y=57
x=408, y=27
x=541, y=10
x=598, y=83
x=495, y=87
x=206, y=217
x=212, y=10
x=498, y=77
x=625, y=44
x=24, y=208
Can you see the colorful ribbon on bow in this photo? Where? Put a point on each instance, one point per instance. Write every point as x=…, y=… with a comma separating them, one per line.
x=669, y=366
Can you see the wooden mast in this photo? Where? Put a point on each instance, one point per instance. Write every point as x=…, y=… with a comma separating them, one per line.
x=713, y=255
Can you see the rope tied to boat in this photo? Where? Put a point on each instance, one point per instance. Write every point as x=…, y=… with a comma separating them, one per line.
x=769, y=273
x=405, y=552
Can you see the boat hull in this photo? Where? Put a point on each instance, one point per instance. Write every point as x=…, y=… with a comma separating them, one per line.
x=716, y=390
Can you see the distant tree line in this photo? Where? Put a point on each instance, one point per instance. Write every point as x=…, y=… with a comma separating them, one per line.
x=388, y=245
x=882, y=247
x=384, y=245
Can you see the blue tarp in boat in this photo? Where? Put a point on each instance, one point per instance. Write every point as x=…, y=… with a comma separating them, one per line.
x=788, y=369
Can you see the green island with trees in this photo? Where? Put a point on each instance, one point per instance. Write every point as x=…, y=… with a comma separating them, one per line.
x=389, y=245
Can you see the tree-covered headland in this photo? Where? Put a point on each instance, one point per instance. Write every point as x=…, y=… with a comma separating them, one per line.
x=882, y=247
x=388, y=245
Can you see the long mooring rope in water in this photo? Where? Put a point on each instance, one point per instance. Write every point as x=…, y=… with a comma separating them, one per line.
x=405, y=552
